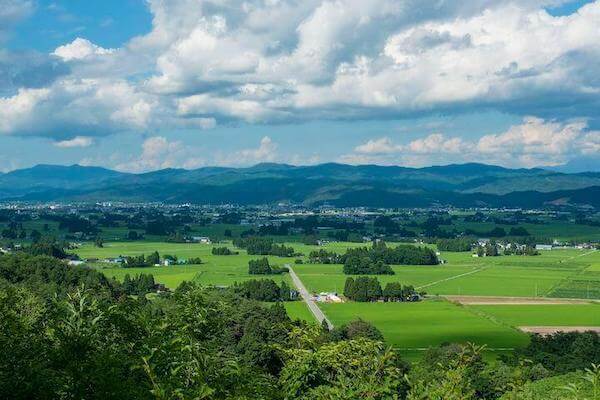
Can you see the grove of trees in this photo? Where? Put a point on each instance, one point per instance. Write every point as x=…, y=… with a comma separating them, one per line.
x=265, y=290
x=263, y=246
x=366, y=288
x=261, y=266
x=222, y=251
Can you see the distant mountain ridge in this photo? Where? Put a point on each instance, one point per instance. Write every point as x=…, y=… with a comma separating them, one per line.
x=338, y=184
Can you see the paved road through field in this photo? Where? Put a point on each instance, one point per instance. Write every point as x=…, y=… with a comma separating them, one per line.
x=312, y=306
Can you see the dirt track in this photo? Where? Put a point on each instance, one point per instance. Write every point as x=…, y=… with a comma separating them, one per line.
x=548, y=330
x=489, y=300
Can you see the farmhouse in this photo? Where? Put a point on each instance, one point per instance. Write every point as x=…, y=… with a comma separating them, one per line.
x=543, y=247
x=115, y=260
x=201, y=239
x=325, y=297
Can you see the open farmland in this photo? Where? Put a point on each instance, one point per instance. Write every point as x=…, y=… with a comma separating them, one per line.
x=543, y=315
x=214, y=270
x=415, y=326
x=556, y=273
x=518, y=276
x=408, y=326
x=298, y=310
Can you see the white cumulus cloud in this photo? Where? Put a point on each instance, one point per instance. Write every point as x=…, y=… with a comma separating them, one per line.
x=77, y=141
x=534, y=142
x=80, y=49
x=159, y=153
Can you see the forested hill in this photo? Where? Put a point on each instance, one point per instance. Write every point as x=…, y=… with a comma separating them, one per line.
x=336, y=184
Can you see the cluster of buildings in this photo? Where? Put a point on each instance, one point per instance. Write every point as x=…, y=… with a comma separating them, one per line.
x=327, y=297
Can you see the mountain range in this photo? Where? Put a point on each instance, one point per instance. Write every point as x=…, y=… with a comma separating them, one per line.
x=461, y=185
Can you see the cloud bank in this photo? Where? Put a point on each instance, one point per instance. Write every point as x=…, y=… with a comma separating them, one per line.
x=206, y=63
x=533, y=143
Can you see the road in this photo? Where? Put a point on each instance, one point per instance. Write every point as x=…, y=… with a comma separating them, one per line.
x=312, y=306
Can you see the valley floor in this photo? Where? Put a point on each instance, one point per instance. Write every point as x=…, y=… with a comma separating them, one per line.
x=490, y=300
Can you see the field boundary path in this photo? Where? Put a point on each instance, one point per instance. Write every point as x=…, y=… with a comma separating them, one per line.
x=312, y=306
x=452, y=277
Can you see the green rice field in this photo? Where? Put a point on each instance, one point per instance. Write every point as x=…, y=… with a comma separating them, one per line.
x=544, y=315
x=410, y=327
x=413, y=326
x=298, y=310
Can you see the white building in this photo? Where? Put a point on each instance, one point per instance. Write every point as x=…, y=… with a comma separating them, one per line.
x=325, y=297
x=201, y=239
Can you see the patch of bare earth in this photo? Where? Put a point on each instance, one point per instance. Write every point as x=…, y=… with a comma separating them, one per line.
x=489, y=300
x=549, y=330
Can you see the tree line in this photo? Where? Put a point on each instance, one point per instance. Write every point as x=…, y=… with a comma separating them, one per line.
x=261, y=266
x=265, y=290
x=222, y=251
x=263, y=247
x=364, y=289
x=139, y=285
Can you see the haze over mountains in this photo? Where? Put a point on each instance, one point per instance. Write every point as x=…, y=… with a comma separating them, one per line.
x=463, y=185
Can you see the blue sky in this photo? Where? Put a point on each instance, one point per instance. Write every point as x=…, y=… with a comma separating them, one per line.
x=142, y=85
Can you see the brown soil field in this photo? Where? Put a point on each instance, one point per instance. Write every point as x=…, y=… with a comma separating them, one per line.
x=549, y=330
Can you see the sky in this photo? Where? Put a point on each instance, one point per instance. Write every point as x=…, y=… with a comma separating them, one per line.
x=141, y=85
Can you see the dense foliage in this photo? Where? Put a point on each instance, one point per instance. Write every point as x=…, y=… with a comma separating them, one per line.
x=139, y=285
x=376, y=259
x=564, y=351
x=264, y=290
x=263, y=247
x=366, y=288
x=50, y=274
x=69, y=333
x=222, y=251
x=460, y=244
x=262, y=267
x=47, y=247
x=363, y=265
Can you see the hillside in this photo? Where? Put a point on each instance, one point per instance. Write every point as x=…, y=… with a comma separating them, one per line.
x=337, y=184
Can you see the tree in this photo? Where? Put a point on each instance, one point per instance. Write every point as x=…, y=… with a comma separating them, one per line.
x=362, y=289
x=35, y=236
x=449, y=373
x=285, y=292
x=132, y=235
x=461, y=244
x=356, y=329
x=47, y=247
x=153, y=258
x=262, y=267
x=342, y=370
x=491, y=250
x=480, y=251
x=349, y=288
x=393, y=291
x=98, y=242
x=259, y=267
x=222, y=251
